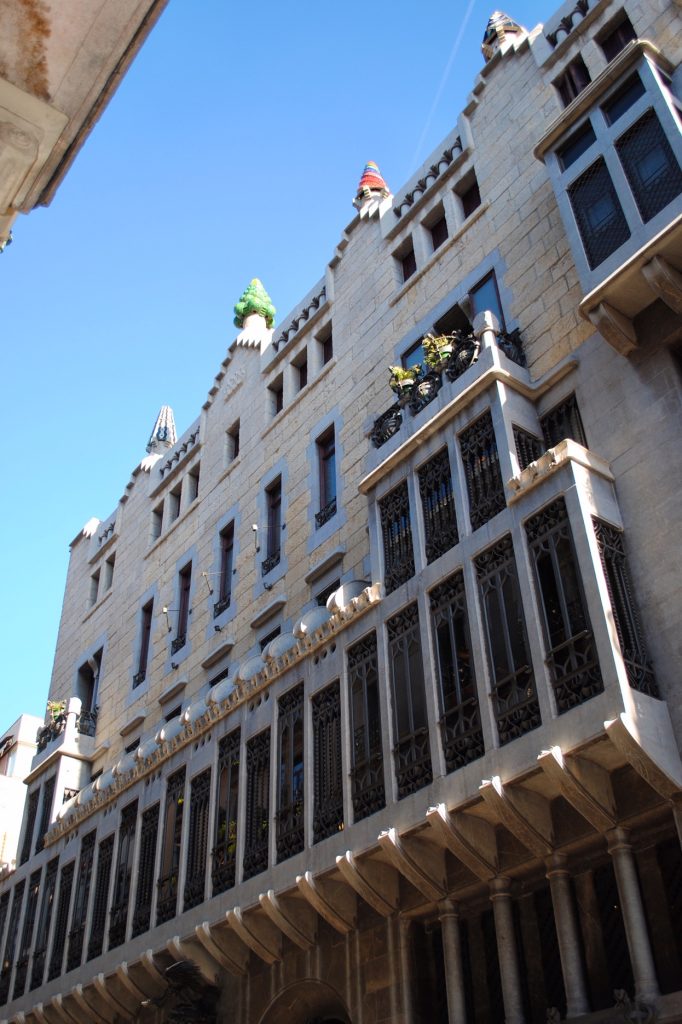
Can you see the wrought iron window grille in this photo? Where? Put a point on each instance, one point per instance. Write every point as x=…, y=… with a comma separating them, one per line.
x=122, y=880
x=529, y=447
x=220, y=606
x=325, y=514
x=197, y=850
x=257, y=804
x=167, y=885
x=626, y=618
x=367, y=771
x=99, y=906
x=290, y=823
x=139, y=677
x=269, y=563
x=80, y=907
x=411, y=751
x=460, y=719
x=87, y=721
x=21, y=972
x=438, y=506
x=61, y=921
x=571, y=652
x=44, y=921
x=11, y=940
x=224, y=853
x=513, y=685
x=394, y=511
x=563, y=421
x=178, y=643
x=327, y=765
x=142, y=912
x=482, y=470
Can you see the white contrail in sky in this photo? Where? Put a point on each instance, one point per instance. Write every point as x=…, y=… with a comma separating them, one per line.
x=445, y=76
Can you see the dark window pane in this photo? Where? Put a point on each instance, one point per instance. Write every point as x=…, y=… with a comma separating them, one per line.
x=598, y=213
x=650, y=166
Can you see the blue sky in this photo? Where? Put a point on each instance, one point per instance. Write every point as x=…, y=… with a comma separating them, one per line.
x=232, y=149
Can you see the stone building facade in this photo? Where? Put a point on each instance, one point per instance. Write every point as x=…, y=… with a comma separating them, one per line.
x=365, y=705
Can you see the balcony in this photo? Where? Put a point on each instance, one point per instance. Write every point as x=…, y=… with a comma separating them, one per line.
x=70, y=731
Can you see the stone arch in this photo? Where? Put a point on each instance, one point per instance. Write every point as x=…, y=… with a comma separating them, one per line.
x=307, y=1002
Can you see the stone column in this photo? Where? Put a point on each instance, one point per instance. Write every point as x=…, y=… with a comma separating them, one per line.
x=568, y=936
x=452, y=956
x=406, y=981
x=500, y=895
x=646, y=985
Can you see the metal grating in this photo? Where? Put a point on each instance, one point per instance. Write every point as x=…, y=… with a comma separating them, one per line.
x=290, y=825
x=482, y=469
x=650, y=165
x=99, y=906
x=167, y=885
x=257, y=804
x=598, y=213
x=411, y=752
x=44, y=921
x=327, y=763
x=438, y=506
x=80, y=906
x=124, y=866
x=142, y=912
x=197, y=849
x=61, y=921
x=367, y=772
x=225, y=850
x=21, y=973
x=394, y=511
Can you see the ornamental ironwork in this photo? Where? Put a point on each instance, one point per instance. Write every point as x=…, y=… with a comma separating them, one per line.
x=572, y=655
x=460, y=721
x=529, y=447
x=178, y=643
x=367, y=772
x=167, y=885
x=438, y=506
x=119, y=906
x=394, y=511
x=11, y=940
x=269, y=563
x=411, y=752
x=386, y=425
x=144, y=894
x=626, y=618
x=86, y=722
x=99, y=904
x=510, y=343
x=290, y=822
x=424, y=391
x=257, y=804
x=21, y=973
x=327, y=764
x=224, y=855
x=220, y=606
x=197, y=849
x=80, y=905
x=45, y=812
x=563, y=421
x=513, y=685
x=465, y=353
x=61, y=921
x=44, y=921
x=326, y=513
x=482, y=469
x=139, y=677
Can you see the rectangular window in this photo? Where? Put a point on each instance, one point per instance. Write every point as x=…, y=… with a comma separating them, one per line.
x=21, y=973
x=142, y=911
x=482, y=469
x=367, y=771
x=327, y=764
x=184, y=587
x=157, y=522
x=265, y=640
x=225, y=848
x=577, y=144
x=11, y=940
x=257, y=804
x=650, y=166
x=94, y=587
x=326, y=344
x=326, y=467
x=233, y=442
x=394, y=512
x=99, y=904
x=485, y=296
x=61, y=922
x=45, y=813
x=623, y=98
x=574, y=79
x=513, y=685
x=290, y=789
x=109, y=572
x=598, y=213
x=323, y=596
x=563, y=421
x=87, y=685
x=31, y=815
x=469, y=195
x=167, y=885
x=226, y=568
x=174, y=502
x=626, y=619
x=43, y=930
x=572, y=656
x=414, y=356
x=273, y=503
x=276, y=390
x=437, y=227
x=80, y=905
x=412, y=754
x=460, y=721
x=124, y=866
x=193, y=483
x=617, y=37
x=406, y=260
x=301, y=368
x=438, y=506
x=197, y=848
x=145, y=642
